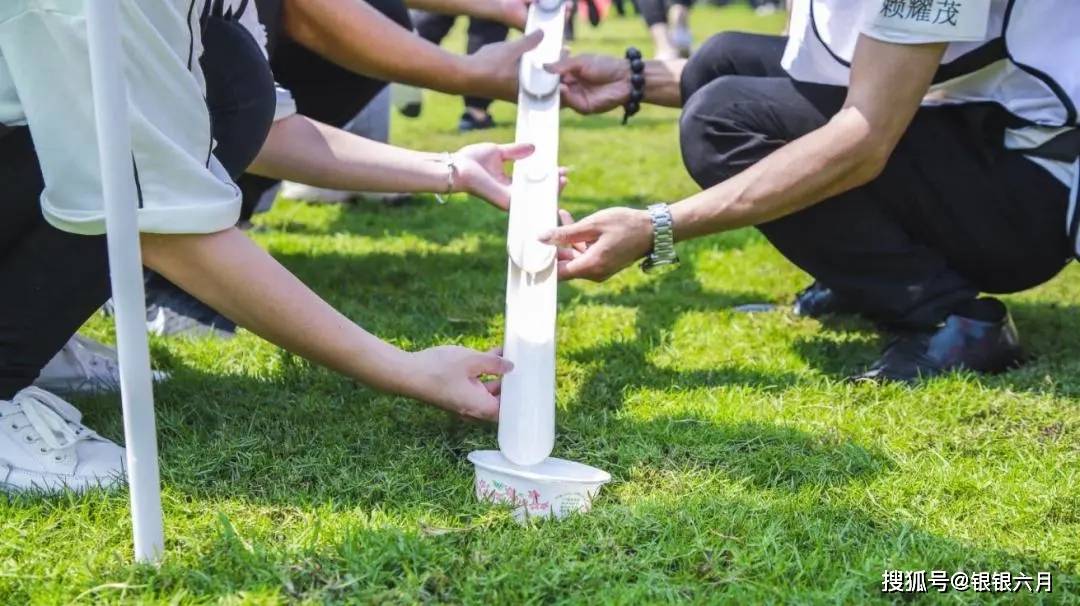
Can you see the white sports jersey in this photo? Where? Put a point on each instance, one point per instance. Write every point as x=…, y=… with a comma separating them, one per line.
x=45, y=83
x=1021, y=54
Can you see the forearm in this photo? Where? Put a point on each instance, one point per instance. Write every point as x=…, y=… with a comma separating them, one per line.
x=662, y=82
x=483, y=9
x=840, y=156
x=303, y=150
x=361, y=39
x=230, y=273
x=887, y=83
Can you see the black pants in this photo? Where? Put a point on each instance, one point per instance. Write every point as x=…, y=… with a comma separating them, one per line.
x=655, y=11
x=323, y=90
x=433, y=27
x=953, y=214
x=52, y=281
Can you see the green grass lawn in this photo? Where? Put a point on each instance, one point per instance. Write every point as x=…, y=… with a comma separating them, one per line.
x=744, y=470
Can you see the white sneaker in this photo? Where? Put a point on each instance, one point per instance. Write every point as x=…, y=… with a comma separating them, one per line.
x=314, y=195
x=84, y=366
x=766, y=9
x=318, y=195
x=44, y=447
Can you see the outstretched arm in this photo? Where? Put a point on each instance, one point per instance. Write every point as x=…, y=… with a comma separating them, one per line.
x=361, y=39
x=594, y=84
x=304, y=150
x=507, y=12
x=230, y=273
x=888, y=82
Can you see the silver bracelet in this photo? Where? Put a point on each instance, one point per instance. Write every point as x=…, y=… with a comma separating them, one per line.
x=451, y=176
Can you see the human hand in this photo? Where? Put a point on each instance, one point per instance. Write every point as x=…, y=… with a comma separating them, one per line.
x=481, y=173
x=600, y=245
x=513, y=12
x=593, y=84
x=449, y=377
x=492, y=71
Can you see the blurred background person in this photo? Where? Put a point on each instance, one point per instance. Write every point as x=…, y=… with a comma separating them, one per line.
x=434, y=27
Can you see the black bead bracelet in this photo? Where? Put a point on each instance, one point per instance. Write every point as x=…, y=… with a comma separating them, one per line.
x=637, y=83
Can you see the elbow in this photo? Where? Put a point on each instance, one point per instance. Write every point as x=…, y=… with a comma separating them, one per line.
x=299, y=24
x=870, y=163
x=868, y=148
x=869, y=156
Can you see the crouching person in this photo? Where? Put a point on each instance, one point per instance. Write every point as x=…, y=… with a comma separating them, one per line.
x=908, y=160
x=53, y=262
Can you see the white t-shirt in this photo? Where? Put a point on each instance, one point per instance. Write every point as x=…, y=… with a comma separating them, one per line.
x=45, y=83
x=1022, y=54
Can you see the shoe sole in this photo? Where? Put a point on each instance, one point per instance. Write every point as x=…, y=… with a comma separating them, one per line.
x=22, y=481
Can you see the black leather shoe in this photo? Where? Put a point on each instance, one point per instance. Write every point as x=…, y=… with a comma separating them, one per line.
x=982, y=339
x=469, y=122
x=818, y=300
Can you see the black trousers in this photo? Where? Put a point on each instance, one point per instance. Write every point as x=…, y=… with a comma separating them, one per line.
x=952, y=215
x=433, y=27
x=655, y=11
x=52, y=281
x=323, y=90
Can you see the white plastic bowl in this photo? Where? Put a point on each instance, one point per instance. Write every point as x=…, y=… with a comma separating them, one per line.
x=553, y=488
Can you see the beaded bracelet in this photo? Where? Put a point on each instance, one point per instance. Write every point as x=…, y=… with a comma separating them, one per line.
x=637, y=83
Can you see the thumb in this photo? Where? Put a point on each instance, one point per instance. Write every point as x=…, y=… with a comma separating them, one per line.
x=584, y=231
x=525, y=44
x=516, y=151
x=565, y=65
x=490, y=364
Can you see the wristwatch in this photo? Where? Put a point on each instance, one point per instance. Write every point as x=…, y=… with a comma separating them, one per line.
x=662, y=258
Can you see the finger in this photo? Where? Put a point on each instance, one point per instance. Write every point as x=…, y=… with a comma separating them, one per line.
x=525, y=44
x=490, y=364
x=581, y=266
x=496, y=351
x=563, y=178
x=566, y=65
x=494, y=387
x=565, y=218
x=484, y=408
x=516, y=151
x=570, y=234
x=566, y=254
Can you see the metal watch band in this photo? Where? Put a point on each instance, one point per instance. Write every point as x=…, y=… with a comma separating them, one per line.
x=663, y=252
x=663, y=233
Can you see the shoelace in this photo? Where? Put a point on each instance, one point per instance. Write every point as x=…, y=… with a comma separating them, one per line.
x=40, y=409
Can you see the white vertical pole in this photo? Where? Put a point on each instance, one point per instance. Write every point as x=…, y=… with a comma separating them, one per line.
x=125, y=268
x=527, y=414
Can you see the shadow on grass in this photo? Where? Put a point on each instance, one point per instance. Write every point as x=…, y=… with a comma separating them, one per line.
x=620, y=367
x=748, y=453
x=849, y=344
x=691, y=538
x=612, y=121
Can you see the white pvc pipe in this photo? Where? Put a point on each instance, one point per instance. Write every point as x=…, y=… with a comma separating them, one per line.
x=125, y=267
x=527, y=413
